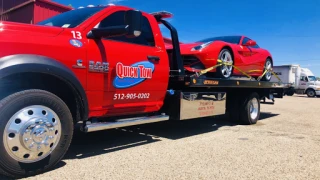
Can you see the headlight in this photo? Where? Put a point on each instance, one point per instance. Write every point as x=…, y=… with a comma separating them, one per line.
x=202, y=46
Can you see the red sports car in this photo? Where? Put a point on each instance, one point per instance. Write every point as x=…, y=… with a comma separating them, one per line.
x=241, y=51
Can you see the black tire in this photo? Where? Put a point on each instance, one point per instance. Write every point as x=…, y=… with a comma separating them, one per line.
x=245, y=114
x=290, y=93
x=311, y=93
x=265, y=78
x=9, y=106
x=219, y=69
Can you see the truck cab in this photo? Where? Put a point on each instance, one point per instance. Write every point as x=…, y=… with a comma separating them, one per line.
x=308, y=83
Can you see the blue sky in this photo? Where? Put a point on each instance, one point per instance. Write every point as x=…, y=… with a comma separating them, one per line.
x=289, y=29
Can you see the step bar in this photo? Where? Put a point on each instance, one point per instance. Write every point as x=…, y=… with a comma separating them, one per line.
x=99, y=126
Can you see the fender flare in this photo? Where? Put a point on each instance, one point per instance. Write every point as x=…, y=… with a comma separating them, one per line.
x=24, y=63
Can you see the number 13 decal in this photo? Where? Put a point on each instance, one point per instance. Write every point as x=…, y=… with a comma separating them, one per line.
x=76, y=34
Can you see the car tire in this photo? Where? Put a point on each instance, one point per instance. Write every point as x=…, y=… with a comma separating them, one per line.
x=226, y=56
x=39, y=126
x=268, y=63
x=311, y=93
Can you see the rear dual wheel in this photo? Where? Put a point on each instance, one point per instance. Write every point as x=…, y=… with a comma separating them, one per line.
x=36, y=129
x=243, y=108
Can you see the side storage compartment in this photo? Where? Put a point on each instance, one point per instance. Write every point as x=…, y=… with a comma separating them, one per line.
x=181, y=105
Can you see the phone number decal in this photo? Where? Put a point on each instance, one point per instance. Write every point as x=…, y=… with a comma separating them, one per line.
x=131, y=96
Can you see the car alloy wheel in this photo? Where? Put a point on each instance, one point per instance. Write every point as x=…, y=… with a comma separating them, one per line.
x=226, y=70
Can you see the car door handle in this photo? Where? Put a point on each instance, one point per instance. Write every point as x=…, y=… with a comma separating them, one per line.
x=153, y=58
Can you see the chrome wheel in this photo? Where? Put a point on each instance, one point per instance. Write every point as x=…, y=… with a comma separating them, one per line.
x=254, y=108
x=268, y=66
x=226, y=70
x=32, y=134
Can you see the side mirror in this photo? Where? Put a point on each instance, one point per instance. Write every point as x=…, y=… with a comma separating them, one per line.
x=133, y=19
x=131, y=28
x=250, y=43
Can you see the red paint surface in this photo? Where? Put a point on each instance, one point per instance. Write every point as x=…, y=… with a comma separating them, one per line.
x=31, y=11
x=244, y=58
x=44, y=10
x=23, y=14
x=53, y=42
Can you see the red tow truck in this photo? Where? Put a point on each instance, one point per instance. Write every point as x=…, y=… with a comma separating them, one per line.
x=104, y=67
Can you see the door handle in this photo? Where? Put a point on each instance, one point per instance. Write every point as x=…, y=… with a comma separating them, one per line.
x=153, y=58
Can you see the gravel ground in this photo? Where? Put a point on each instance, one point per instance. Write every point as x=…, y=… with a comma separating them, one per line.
x=284, y=144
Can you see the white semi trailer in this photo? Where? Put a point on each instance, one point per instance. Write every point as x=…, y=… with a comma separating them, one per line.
x=302, y=80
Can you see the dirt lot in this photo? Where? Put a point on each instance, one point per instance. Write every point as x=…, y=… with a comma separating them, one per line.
x=284, y=144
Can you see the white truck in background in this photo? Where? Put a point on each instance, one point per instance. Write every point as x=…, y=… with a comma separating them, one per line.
x=302, y=80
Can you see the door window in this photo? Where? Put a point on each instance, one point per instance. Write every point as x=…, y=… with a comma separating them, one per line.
x=117, y=19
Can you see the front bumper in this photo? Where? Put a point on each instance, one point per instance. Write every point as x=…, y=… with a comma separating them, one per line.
x=318, y=93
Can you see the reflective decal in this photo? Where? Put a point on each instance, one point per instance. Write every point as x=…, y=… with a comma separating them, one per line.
x=128, y=76
x=76, y=43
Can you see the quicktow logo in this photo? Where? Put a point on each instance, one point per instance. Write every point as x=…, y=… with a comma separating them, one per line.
x=128, y=76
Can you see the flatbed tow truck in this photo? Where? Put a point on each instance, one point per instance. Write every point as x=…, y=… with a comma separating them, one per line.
x=58, y=73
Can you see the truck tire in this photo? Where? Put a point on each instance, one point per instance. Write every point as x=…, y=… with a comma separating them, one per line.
x=36, y=129
x=290, y=93
x=311, y=93
x=250, y=109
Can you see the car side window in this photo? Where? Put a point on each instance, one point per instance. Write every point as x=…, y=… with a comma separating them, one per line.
x=117, y=19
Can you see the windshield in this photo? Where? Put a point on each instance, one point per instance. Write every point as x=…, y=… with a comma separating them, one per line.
x=229, y=39
x=72, y=18
x=312, y=78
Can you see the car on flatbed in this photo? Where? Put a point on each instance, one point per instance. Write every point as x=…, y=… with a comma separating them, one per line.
x=104, y=67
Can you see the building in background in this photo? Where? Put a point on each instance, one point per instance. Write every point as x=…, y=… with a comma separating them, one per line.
x=30, y=11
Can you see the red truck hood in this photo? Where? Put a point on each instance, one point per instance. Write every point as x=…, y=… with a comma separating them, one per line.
x=29, y=29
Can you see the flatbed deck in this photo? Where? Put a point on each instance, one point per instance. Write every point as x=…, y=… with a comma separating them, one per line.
x=231, y=83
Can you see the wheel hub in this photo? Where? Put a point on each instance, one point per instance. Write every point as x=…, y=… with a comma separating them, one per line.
x=254, y=107
x=268, y=67
x=226, y=69
x=32, y=134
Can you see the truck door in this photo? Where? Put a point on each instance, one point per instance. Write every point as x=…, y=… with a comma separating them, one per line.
x=250, y=57
x=303, y=82
x=138, y=73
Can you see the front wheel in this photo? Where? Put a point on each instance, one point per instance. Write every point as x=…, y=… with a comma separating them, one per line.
x=267, y=65
x=225, y=71
x=36, y=128
x=311, y=93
